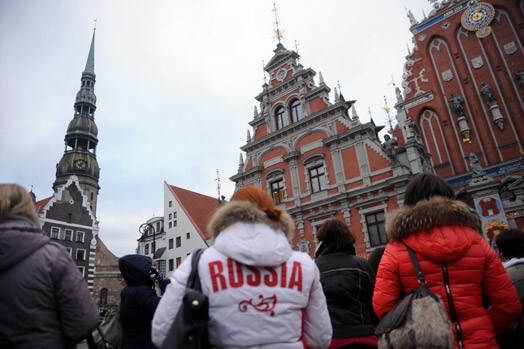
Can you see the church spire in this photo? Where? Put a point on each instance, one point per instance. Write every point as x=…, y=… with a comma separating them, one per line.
x=81, y=140
x=90, y=64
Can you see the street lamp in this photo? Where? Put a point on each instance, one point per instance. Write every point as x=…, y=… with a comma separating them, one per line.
x=144, y=229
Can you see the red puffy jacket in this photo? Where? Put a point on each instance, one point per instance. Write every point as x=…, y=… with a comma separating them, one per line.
x=442, y=230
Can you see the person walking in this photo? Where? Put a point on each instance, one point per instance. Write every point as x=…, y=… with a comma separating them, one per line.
x=348, y=281
x=457, y=263
x=138, y=300
x=44, y=302
x=261, y=293
x=510, y=244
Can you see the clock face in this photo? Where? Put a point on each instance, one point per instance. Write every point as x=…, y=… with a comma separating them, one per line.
x=478, y=16
x=80, y=164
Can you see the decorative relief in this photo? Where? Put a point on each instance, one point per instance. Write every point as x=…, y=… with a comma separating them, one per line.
x=510, y=48
x=446, y=25
x=447, y=75
x=281, y=75
x=477, y=62
x=421, y=37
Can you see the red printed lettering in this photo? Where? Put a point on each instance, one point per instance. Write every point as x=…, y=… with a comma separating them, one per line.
x=239, y=281
x=271, y=279
x=296, y=276
x=215, y=269
x=254, y=279
x=283, y=275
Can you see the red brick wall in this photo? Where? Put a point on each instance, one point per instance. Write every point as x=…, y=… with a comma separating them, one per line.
x=107, y=275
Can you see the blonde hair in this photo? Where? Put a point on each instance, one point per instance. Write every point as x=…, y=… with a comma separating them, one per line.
x=16, y=201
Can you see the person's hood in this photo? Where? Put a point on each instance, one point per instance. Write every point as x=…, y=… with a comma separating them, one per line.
x=512, y=262
x=439, y=228
x=135, y=269
x=19, y=238
x=245, y=233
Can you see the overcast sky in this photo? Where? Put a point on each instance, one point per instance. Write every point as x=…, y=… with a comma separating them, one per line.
x=175, y=82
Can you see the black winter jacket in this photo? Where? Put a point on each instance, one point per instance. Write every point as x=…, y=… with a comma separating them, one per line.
x=138, y=302
x=348, y=283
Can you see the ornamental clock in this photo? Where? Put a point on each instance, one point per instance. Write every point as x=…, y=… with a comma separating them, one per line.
x=80, y=164
x=477, y=18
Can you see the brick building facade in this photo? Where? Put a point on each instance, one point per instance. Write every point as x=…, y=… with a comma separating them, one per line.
x=108, y=281
x=464, y=90
x=320, y=162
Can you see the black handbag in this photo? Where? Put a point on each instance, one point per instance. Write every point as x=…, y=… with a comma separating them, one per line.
x=419, y=320
x=189, y=328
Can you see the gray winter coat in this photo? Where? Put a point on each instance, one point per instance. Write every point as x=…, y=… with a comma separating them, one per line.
x=44, y=301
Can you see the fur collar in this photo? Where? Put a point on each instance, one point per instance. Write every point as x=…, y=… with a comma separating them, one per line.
x=437, y=211
x=245, y=211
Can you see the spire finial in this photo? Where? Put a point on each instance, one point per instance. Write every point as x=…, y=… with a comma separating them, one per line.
x=320, y=78
x=278, y=32
x=387, y=109
x=94, y=20
x=218, y=184
x=296, y=50
x=264, y=71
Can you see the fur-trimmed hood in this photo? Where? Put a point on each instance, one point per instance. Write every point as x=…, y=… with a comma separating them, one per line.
x=245, y=211
x=244, y=233
x=439, y=228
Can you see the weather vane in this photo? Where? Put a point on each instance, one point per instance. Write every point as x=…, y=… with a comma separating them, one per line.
x=296, y=50
x=278, y=33
x=264, y=71
x=387, y=109
x=96, y=19
x=218, y=183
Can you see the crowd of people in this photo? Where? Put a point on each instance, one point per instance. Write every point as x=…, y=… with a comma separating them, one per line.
x=261, y=293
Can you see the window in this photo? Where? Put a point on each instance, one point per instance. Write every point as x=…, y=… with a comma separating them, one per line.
x=103, y=296
x=146, y=249
x=170, y=244
x=376, y=228
x=170, y=203
x=80, y=254
x=80, y=236
x=70, y=250
x=162, y=266
x=296, y=110
x=153, y=247
x=82, y=271
x=157, y=227
x=178, y=241
x=170, y=215
x=188, y=235
x=92, y=196
x=170, y=224
x=68, y=235
x=174, y=214
x=69, y=217
x=317, y=178
x=277, y=191
x=178, y=261
x=174, y=223
x=280, y=117
x=55, y=233
x=171, y=265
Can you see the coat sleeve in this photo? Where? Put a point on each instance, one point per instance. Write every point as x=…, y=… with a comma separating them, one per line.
x=317, y=324
x=76, y=309
x=170, y=303
x=505, y=306
x=388, y=290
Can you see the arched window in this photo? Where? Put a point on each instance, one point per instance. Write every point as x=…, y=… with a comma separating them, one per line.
x=103, y=296
x=296, y=111
x=280, y=116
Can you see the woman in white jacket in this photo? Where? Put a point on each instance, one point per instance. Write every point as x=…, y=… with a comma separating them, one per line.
x=261, y=293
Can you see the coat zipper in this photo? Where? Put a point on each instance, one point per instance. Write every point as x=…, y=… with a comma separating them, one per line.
x=452, y=306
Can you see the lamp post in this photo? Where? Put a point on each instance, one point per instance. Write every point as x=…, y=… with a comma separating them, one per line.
x=144, y=229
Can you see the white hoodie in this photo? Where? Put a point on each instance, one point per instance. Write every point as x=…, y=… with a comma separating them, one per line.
x=261, y=293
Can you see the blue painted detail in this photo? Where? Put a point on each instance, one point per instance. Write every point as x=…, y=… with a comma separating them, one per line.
x=440, y=18
x=492, y=173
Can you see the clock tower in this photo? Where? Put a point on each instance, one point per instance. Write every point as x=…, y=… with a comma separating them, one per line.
x=79, y=157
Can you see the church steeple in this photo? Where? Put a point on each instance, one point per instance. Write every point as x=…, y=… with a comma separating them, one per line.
x=79, y=157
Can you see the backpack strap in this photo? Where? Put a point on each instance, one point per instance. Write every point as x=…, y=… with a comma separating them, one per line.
x=416, y=265
x=193, y=281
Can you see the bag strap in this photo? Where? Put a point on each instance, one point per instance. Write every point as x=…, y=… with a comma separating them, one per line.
x=193, y=281
x=416, y=265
